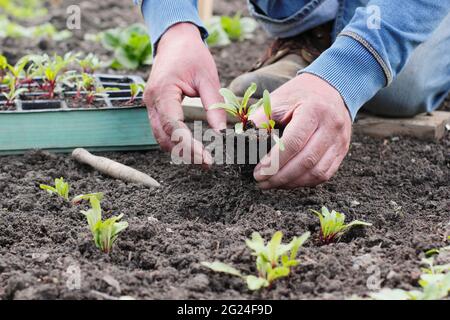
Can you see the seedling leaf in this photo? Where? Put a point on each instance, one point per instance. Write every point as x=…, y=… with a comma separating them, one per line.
x=248, y=94
x=230, y=97
x=61, y=188
x=222, y=267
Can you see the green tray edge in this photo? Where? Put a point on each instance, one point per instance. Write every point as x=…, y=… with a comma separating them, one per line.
x=125, y=129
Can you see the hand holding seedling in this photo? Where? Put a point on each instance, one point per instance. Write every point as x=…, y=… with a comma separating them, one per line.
x=316, y=137
x=183, y=66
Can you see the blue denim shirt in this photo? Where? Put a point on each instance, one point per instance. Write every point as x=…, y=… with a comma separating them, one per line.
x=365, y=57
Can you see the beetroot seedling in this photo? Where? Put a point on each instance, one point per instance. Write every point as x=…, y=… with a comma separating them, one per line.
x=17, y=70
x=90, y=63
x=270, y=124
x=239, y=109
x=87, y=197
x=135, y=90
x=82, y=82
x=12, y=94
x=61, y=188
x=98, y=92
x=105, y=232
x=273, y=261
x=51, y=69
x=332, y=225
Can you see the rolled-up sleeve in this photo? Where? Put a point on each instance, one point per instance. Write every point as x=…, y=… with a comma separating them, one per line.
x=363, y=60
x=160, y=15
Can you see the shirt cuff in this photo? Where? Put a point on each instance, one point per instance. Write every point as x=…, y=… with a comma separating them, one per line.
x=352, y=70
x=160, y=15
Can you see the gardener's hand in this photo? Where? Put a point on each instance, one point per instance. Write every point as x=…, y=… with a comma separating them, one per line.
x=316, y=138
x=183, y=66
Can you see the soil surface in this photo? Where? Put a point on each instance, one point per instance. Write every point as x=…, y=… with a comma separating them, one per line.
x=400, y=185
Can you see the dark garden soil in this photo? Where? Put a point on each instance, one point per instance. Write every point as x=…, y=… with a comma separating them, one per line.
x=400, y=185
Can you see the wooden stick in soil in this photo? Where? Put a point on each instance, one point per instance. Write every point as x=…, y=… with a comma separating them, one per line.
x=113, y=168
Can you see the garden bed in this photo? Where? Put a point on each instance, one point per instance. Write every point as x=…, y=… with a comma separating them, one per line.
x=400, y=185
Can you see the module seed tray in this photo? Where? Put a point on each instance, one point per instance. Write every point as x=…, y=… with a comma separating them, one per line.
x=64, y=123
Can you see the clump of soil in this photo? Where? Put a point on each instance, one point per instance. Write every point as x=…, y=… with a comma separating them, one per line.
x=245, y=150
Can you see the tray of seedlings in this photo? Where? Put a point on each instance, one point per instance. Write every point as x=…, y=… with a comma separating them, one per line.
x=59, y=103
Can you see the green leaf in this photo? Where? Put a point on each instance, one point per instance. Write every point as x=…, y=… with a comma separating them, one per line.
x=221, y=267
x=110, y=39
x=248, y=94
x=277, y=273
x=256, y=243
x=273, y=245
x=50, y=189
x=87, y=197
x=217, y=35
x=230, y=97
x=297, y=243
x=105, y=233
x=254, y=107
x=358, y=223
x=333, y=223
x=255, y=283
x=3, y=62
x=225, y=106
x=267, y=105
x=232, y=26
x=61, y=188
x=125, y=60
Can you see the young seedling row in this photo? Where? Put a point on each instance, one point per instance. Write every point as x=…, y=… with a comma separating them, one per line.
x=274, y=260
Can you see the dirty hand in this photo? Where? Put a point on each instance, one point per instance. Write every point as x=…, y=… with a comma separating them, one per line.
x=316, y=137
x=183, y=66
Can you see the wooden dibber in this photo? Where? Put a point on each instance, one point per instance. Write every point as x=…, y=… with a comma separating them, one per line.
x=113, y=168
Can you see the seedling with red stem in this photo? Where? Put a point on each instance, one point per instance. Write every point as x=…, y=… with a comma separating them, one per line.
x=239, y=109
x=332, y=225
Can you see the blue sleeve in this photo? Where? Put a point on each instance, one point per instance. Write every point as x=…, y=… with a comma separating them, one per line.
x=365, y=59
x=160, y=15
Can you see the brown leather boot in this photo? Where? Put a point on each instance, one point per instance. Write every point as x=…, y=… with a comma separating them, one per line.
x=283, y=59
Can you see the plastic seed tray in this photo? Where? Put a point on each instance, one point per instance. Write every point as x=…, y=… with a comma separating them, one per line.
x=110, y=123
